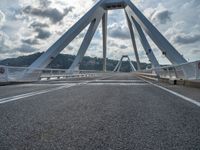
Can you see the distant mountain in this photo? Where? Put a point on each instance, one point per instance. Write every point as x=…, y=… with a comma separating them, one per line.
x=63, y=61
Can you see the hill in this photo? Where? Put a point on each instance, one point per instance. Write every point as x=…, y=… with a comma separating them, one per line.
x=63, y=61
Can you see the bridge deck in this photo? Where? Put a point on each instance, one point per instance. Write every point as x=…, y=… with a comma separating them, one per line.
x=109, y=112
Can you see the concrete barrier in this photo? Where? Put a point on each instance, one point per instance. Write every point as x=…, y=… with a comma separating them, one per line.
x=189, y=83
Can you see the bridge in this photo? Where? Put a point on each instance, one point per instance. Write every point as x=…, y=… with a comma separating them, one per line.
x=155, y=108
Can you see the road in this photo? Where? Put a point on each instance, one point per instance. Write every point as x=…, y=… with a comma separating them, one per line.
x=118, y=112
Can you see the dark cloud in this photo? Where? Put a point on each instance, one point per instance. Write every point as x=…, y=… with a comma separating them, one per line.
x=30, y=41
x=6, y=48
x=162, y=16
x=42, y=34
x=186, y=39
x=119, y=34
x=44, y=3
x=52, y=13
x=123, y=46
x=38, y=25
x=25, y=48
x=70, y=48
x=118, y=31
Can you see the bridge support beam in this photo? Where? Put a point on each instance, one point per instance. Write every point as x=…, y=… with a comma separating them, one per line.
x=133, y=41
x=45, y=59
x=118, y=66
x=163, y=44
x=93, y=17
x=85, y=44
x=146, y=45
x=104, y=32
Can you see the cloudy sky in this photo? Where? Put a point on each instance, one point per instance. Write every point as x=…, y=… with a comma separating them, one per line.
x=32, y=26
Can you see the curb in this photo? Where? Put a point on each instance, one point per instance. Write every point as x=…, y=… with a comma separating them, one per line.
x=188, y=83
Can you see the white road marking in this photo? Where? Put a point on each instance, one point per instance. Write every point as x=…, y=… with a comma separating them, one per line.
x=195, y=102
x=22, y=96
x=121, y=84
x=118, y=81
x=43, y=84
x=14, y=98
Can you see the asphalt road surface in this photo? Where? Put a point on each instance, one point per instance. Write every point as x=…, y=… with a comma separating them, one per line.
x=119, y=112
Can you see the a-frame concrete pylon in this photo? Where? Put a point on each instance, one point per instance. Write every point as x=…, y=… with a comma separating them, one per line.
x=119, y=64
x=93, y=17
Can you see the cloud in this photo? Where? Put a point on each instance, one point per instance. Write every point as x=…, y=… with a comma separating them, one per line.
x=41, y=30
x=38, y=25
x=162, y=16
x=29, y=24
x=25, y=48
x=52, y=13
x=123, y=46
x=30, y=41
x=70, y=48
x=159, y=15
x=44, y=3
x=186, y=38
x=42, y=34
x=4, y=43
x=118, y=31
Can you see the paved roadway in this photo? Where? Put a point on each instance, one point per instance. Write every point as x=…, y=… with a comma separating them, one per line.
x=119, y=112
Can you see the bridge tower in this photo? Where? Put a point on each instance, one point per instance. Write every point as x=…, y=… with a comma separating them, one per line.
x=119, y=64
x=98, y=12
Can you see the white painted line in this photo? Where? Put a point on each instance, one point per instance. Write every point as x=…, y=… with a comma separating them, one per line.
x=14, y=98
x=124, y=81
x=121, y=84
x=22, y=96
x=44, y=84
x=151, y=78
x=195, y=102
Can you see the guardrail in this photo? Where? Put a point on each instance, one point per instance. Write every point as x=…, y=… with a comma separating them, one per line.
x=186, y=71
x=26, y=74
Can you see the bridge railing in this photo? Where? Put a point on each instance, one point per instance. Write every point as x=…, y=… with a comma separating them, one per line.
x=186, y=71
x=26, y=74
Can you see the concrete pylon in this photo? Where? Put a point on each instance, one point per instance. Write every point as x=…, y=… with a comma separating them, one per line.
x=85, y=44
x=93, y=17
x=119, y=64
x=104, y=31
x=146, y=45
x=133, y=40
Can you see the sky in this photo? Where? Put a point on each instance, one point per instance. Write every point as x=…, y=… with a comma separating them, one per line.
x=32, y=26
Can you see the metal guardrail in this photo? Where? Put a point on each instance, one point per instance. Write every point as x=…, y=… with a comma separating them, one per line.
x=25, y=74
x=186, y=71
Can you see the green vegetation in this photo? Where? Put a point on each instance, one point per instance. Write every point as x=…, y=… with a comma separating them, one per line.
x=63, y=61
